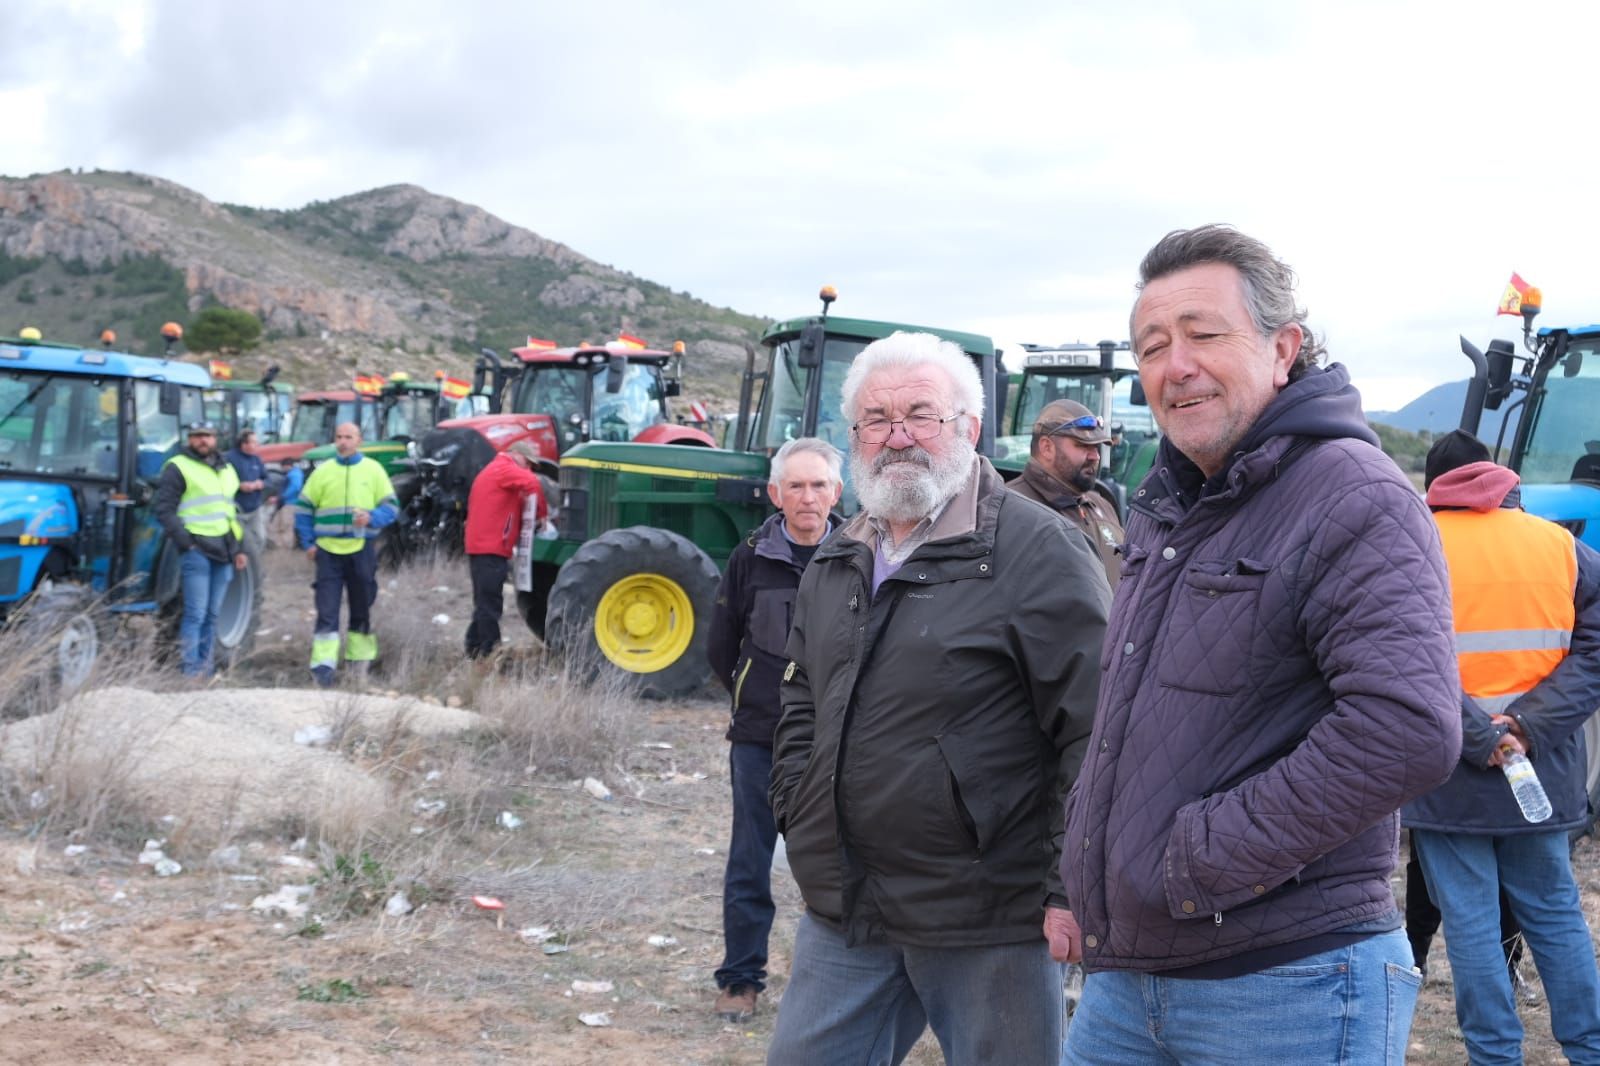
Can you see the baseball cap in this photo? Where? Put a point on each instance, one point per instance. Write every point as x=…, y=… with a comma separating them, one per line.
x=1068, y=418
x=201, y=427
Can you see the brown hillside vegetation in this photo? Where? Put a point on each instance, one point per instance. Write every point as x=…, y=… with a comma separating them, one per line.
x=612, y=907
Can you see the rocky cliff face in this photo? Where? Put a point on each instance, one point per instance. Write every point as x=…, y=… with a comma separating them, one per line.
x=392, y=267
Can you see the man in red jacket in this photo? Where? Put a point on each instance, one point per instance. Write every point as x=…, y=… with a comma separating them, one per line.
x=494, y=522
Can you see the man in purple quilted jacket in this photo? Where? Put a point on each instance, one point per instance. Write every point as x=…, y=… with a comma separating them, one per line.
x=1279, y=678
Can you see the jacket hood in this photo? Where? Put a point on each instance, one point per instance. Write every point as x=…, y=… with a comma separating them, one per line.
x=1474, y=487
x=771, y=542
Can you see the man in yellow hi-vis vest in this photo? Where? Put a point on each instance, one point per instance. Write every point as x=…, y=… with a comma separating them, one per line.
x=194, y=504
x=344, y=503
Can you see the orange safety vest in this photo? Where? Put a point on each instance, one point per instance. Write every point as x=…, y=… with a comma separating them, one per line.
x=1512, y=579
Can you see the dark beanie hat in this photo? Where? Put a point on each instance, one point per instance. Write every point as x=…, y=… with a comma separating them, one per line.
x=1456, y=448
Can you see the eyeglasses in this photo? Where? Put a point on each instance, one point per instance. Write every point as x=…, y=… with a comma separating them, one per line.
x=1083, y=422
x=917, y=427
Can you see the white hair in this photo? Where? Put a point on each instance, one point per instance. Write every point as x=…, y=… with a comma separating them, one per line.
x=913, y=350
x=814, y=445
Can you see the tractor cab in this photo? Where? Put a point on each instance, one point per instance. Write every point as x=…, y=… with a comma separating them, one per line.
x=612, y=392
x=1101, y=377
x=84, y=434
x=266, y=406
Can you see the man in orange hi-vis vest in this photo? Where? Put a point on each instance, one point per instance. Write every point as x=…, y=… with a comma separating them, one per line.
x=1527, y=616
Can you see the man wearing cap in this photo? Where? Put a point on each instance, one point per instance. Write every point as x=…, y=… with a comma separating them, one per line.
x=194, y=504
x=1063, y=462
x=344, y=503
x=1526, y=602
x=499, y=495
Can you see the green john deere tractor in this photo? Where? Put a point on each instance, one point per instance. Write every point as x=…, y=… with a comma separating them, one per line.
x=644, y=529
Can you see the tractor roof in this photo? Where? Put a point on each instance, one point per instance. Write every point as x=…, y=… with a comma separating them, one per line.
x=70, y=359
x=326, y=396
x=870, y=330
x=589, y=351
x=1572, y=331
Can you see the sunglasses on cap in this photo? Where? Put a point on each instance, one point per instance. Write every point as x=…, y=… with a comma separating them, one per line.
x=1082, y=422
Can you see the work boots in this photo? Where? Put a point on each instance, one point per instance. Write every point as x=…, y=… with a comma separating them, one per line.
x=737, y=1003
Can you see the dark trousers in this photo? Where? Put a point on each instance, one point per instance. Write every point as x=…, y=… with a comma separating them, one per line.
x=1422, y=919
x=355, y=574
x=488, y=602
x=747, y=908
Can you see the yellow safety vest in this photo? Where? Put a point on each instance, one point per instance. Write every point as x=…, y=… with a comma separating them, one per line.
x=334, y=492
x=206, y=508
x=1512, y=579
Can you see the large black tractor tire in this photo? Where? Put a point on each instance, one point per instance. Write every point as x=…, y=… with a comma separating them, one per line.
x=239, y=617
x=71, y=622
x=635, y=604
x=395, y=543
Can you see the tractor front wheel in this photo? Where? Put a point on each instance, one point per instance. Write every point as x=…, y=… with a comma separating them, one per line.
x=636, y=602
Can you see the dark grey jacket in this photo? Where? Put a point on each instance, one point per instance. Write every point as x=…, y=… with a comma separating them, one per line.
x=930, y=732
x=1279, y=677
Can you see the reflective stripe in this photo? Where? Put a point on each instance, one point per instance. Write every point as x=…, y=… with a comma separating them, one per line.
x=325, y=650
x=1513, y=640
x=206, y=507
x=360, y=647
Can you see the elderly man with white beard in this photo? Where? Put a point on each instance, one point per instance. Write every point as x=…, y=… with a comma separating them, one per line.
x=943, y=668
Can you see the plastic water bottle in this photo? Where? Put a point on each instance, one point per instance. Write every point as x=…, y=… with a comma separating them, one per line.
x=1526, y=787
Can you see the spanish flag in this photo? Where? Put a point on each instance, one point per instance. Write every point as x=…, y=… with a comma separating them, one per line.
x=369, y=384
x=455, y=388
x=539, y=342
x=628, y=340
x=220, y=370
x=1511, y=300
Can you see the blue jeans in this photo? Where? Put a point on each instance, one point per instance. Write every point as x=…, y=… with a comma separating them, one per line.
x=987, y=1005
x=1466, y=873
x=747, y=884
x=204, y=582
x=1350, y=1005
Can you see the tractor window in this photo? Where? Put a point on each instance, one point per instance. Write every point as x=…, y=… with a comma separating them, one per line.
x=265, y=412
x=557, y=391
x=159, y=434
x=408, y=416
x=624, y=414
x=783, y=403
x=58, y=424
x=1565, y=442
x=363, y=413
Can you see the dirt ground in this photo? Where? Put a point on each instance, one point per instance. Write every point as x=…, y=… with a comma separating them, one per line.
x=103, y=961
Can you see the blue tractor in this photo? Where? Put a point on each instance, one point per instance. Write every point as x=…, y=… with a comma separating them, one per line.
x=1554, y=423
x=83, y=436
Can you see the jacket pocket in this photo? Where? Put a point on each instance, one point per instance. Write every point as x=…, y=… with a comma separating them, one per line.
x=968, y=803
x=770, y=617
x=1215, y=618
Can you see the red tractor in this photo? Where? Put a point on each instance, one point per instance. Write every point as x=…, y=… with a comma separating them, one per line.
x=554, y=398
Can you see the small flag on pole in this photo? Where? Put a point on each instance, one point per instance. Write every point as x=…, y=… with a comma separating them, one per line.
x=1511, y=300
x=455, y=388
x=628, y=340
x=539, y=342
x=220, y=370
x=369, y=384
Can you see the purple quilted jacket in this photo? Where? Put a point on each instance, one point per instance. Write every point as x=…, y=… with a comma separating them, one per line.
x=1279, y=676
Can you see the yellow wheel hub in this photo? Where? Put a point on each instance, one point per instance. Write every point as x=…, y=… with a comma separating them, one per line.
x=644, y=623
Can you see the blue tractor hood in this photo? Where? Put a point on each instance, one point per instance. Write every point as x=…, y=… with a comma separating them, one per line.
x=1575, y=506
x=29, y=510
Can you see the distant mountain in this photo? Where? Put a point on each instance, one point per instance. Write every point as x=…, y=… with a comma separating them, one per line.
x=1438, y=411
x=396, y=278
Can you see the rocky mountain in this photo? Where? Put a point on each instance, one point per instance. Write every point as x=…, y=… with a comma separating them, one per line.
x=393, y=278
x=1438, y=411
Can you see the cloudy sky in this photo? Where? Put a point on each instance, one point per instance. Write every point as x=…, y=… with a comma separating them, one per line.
x=1000, y=172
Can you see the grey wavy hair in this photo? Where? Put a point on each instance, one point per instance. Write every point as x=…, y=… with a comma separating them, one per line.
x=1268, y=281
x=911, y=350
x=814, y=445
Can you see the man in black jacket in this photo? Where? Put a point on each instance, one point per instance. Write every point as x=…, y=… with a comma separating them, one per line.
x=749, y=626
x=944, y=663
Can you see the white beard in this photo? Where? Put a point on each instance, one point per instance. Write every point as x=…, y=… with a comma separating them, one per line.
x=911, y=484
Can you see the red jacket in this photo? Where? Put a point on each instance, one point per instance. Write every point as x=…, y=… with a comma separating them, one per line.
x=494, y=508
